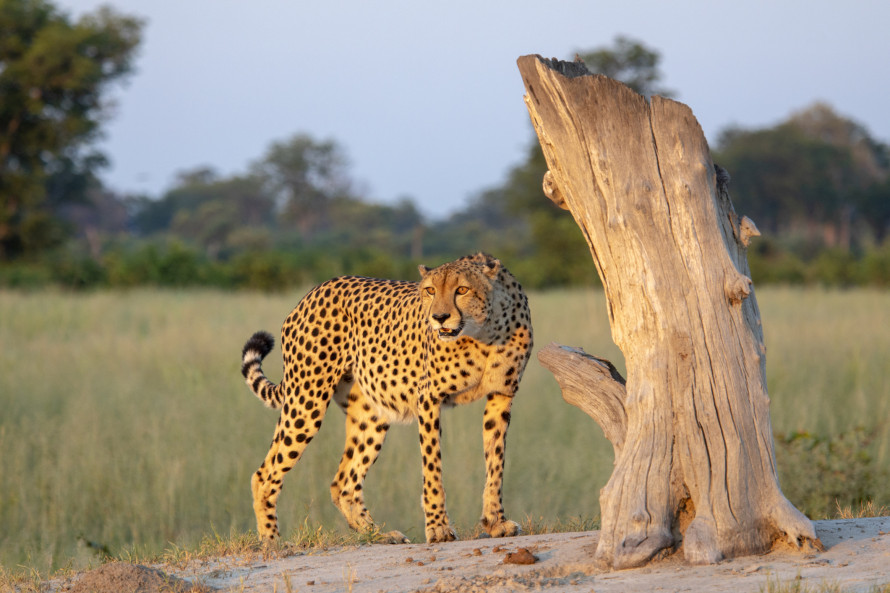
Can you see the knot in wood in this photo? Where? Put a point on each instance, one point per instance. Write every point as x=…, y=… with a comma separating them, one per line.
x=737, y=287
x=747, y=229
x=551, y=190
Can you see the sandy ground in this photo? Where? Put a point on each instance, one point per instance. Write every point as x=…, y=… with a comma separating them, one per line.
x=857, y=557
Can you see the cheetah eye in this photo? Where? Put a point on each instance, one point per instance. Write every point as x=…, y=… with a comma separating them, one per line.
x=430, y=290
x=462, y=290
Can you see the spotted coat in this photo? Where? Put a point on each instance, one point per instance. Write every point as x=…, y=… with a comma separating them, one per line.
x=395, y=351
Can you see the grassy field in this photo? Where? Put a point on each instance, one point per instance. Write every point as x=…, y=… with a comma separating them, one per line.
x=124, y=422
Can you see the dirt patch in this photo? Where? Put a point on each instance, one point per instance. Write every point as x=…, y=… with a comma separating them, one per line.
x=560, y=580
x=856, y=557
x=121, y=577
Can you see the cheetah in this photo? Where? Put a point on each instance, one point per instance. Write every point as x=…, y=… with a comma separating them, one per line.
x=391, y=351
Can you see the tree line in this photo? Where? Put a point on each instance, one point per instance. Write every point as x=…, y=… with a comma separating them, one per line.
x=817, y=185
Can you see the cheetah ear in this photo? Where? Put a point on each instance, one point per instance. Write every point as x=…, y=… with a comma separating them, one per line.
x=492, y=267
x=423, y=270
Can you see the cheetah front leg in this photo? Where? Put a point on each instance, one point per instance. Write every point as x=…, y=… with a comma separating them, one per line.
x=496, y=419
x=438, y=528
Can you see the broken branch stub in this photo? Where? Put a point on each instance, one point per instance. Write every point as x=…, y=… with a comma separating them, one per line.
x=694, y=462
x=591, y=384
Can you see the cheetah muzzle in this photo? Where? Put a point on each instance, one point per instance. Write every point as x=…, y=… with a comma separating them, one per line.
x=447, y=334
x=395, y=351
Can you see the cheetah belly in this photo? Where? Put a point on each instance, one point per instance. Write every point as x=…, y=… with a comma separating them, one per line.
x=395, y=403
x=397, y=416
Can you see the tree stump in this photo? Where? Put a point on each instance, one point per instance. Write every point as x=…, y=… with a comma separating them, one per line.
x=694, y=460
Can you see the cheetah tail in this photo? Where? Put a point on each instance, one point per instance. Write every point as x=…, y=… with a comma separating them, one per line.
x=255, y=350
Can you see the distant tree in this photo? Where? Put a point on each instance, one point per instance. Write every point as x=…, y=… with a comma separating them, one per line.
x=53, y=74
x=305, y=176
x=396, y=229
x=486, y=223
x=299, y=185
x=781, y=177
x=104, y=214
x=227, y=208
x=190, y=190
x=865, y=194
x=351, y=215
x=813, y=175
x=869, y=157
x=209, y=211
x=873, y=207
x=629, y=61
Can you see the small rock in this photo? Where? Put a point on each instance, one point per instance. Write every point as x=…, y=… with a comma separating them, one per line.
x=521, y=556
x=477, y=552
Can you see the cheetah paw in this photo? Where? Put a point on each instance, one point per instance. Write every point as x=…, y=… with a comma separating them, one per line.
x=440, y=533
x=270, y=544
x=391, y=537
x=503, y=528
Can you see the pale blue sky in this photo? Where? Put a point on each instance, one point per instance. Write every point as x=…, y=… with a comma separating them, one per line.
x=426, y=97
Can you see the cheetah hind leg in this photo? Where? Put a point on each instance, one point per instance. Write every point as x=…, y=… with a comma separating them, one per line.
x=365, y=433
x=292, y=436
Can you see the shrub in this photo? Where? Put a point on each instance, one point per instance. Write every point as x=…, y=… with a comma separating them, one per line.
x=78, y=272
x=172, y=264
x=875, y=266
x=833, y=267
x=820, y=474
x=780, y=267
x=23, y=275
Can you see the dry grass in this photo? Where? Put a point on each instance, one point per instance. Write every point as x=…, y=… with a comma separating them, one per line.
x=799, y=585
x=126, y=424
x=865, y=509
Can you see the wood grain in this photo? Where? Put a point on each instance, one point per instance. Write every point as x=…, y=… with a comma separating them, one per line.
x=694, y=465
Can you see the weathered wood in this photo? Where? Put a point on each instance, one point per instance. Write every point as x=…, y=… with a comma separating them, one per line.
x=696, y=464
x=591, y=384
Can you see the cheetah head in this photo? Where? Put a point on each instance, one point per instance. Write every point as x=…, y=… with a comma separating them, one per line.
x=457, y=295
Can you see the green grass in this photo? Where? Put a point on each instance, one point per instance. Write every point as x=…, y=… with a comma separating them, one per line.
x=125, y=425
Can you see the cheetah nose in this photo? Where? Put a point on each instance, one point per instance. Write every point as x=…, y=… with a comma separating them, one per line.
x=440, y=317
